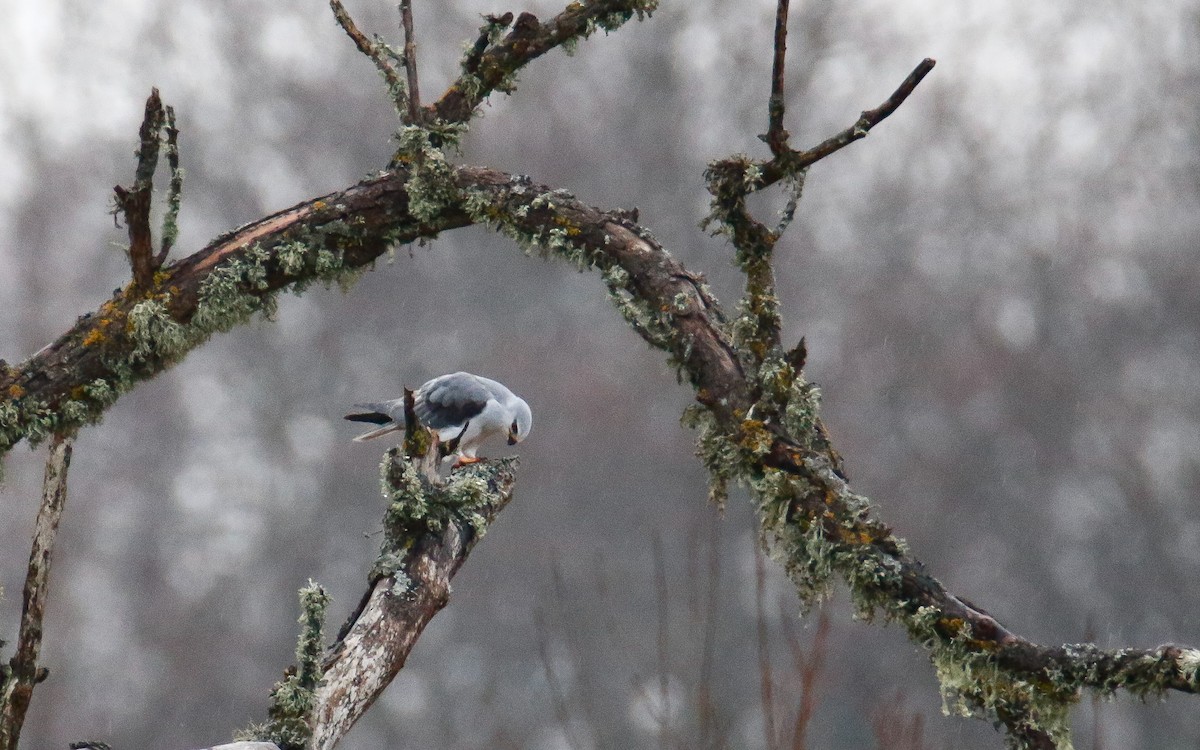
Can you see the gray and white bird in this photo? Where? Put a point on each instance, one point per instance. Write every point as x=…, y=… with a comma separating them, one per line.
x=463, y=409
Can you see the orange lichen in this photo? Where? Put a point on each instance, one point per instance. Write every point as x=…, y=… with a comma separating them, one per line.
x=15, y=391
x=573, y=230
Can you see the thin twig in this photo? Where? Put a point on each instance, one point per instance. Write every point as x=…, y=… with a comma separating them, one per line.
x=895, y=728
x=777, y=137
x=558, y=696
x=767, y=681
x=664, y=677
x=869, y=118
x=372, y=50
x=584, y=703
x=809, y=668
x=410, y=63
x=22, y=672
x=710, y=735
x=795, y=190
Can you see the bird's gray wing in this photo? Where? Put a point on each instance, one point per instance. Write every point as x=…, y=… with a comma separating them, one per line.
x=451, y=400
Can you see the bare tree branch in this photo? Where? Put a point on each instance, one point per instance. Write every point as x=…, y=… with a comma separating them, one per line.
x=870, y=118
x=777, y=136
x=22, y=671
x=410, y=63
x=778, y=168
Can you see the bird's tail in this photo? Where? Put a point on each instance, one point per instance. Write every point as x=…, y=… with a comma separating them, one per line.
x=378, y=414
x=377, y=433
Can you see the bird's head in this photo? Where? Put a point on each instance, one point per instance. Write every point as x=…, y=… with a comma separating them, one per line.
x=522, y=422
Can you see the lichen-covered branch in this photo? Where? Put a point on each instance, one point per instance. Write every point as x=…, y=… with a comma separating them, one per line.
x=495, y=69
x=18, y=677
x=429, y=530
x=812, y=521
x=758, y=418
x=818, y=527
x=149, y=325
x=141, y=331
x=293, y=699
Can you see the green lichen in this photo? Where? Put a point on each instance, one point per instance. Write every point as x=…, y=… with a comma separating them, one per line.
x=717, y=451
x=293, y=698
x=1189, y=666
x=642, y=317
x=416, y=504
x=225, y=301
x=800, y=546
x=431, y=186
x=28, y=418
x=973, y=685
x=293, y=257
x=154, y=333
x=610, y=22
x=391, y=562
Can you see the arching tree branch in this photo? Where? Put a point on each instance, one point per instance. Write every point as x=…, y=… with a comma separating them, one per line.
x=758, y=418
x=667, y=305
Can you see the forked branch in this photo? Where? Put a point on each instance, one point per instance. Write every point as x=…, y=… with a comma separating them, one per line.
x=376, y=51
x=134, y=202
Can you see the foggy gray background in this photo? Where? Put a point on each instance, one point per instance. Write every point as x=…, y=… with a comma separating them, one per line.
x=998, y=288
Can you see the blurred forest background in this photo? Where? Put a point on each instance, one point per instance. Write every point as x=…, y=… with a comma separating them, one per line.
x=999, y=288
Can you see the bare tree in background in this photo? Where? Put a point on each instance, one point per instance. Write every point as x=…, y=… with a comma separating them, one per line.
x=757, y=416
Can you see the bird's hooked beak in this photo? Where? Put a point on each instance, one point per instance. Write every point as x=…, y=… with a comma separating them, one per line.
x=513, y=439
